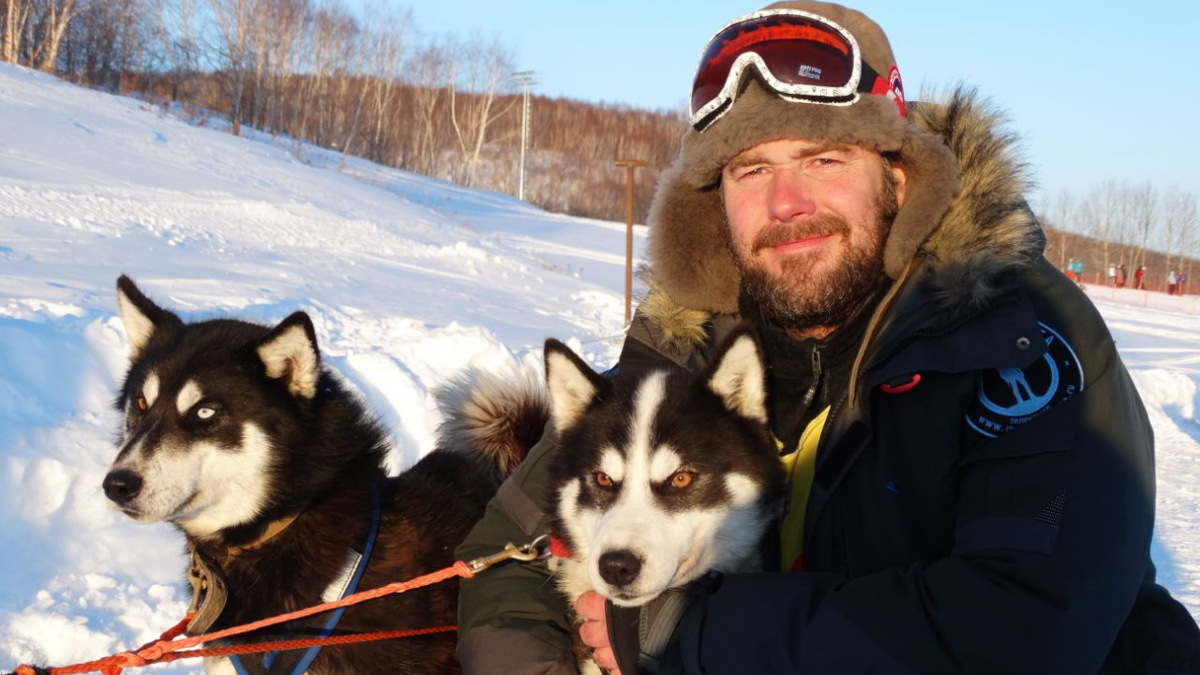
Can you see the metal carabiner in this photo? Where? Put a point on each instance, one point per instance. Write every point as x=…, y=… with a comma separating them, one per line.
x=535, y=550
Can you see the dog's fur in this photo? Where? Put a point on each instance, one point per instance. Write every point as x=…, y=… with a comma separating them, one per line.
x=662, y=477
x=236, y=434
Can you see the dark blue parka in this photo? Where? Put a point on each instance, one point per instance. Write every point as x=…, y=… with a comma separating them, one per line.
x=993, y=516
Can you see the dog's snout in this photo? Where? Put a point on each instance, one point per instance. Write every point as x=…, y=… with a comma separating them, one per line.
x=122, y=485
x=620, y=568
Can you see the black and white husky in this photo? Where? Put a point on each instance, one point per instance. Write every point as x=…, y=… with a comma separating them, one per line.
x=235, y=434
x=663, y=477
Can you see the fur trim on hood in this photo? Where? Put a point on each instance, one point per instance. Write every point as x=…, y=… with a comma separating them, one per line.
x=967, y=233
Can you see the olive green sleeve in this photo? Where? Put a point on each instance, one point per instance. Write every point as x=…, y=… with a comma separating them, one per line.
x=511, y=618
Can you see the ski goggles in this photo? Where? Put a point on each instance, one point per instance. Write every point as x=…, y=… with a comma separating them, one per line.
x=799, y=55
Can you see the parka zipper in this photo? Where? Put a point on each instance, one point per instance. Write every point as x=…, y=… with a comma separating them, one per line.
x=810, y=396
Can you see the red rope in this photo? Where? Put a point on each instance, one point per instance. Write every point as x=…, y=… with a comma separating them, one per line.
x=167, y=648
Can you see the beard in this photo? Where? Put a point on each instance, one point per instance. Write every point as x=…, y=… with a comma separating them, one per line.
x=803, y=296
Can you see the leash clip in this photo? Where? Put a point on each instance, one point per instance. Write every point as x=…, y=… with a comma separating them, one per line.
x=535, y=550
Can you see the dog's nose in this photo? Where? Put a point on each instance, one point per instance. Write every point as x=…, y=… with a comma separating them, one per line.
x=620, y=567
x=122, y=485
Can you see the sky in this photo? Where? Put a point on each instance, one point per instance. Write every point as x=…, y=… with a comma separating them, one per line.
x=408, y=281
x=1098, y=91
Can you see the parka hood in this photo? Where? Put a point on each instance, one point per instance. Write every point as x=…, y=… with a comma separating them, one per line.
x=964, y=225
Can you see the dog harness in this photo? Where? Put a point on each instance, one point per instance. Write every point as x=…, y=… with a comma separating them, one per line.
x=297, y=661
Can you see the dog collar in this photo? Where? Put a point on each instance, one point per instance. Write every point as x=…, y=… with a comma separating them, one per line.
x=272, y=530
x=209, y=593
x=558, y=549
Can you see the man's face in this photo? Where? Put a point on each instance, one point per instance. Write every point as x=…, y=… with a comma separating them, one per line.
x=807, y=225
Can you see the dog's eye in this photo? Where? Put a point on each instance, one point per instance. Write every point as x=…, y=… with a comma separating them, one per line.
x=682, y=479
x=141, y=403
x=205, y=413
x=602, y=479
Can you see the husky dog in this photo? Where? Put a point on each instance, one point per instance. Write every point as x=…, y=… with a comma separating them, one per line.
x=235, y=434
x=660, y=478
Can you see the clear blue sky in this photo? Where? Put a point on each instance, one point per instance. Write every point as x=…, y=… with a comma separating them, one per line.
x=1097, y=90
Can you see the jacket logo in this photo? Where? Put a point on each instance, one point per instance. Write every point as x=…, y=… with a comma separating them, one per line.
x=1008, y=397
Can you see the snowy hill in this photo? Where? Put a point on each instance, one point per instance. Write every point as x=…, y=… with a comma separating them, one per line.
x=408, y=280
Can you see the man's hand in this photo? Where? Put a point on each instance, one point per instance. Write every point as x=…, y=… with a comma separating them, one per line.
x=643, y=639
x=594, y=631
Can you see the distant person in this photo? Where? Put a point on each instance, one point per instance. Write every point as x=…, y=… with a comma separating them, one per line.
x=1139, y=277
x=1071, y=270
x=1172, y=282
x=1121, y=276
x=975, y=481
x=1077, y=269
x=1112, y=275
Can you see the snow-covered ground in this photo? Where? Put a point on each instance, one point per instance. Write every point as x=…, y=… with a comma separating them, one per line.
x=408, y=280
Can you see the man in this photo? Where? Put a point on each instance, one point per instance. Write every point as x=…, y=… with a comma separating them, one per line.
x=981, y=493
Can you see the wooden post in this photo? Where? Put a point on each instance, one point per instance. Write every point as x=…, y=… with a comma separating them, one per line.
x=630, y=165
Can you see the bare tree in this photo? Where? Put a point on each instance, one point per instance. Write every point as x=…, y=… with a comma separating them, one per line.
x=234, y=51
x=331, y=51
x=384, y=44
x=12, y=32
x=1178, y=223
x=1061, y=215
x=480, y=72
x=425, y=70
x=1102, y=216
x=177, y=31
x=1142, y=201
x=108, y=44
x=53, y=18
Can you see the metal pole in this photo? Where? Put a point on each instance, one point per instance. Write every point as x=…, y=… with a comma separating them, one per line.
x=630, y=165
x=524, y=78
x=524, y=142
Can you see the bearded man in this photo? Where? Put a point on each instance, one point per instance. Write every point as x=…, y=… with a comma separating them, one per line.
x=971, y=468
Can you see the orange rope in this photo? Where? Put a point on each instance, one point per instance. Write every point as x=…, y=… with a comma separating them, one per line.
x=167, y=648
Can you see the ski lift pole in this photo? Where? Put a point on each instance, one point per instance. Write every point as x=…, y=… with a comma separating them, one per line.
x=630, y=165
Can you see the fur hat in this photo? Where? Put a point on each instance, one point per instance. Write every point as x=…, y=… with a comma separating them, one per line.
x=688, y=252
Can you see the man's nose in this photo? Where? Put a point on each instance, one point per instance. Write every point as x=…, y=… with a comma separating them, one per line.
x=791, y=196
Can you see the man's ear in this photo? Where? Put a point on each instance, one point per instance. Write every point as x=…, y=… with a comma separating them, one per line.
x=290, y=353
x=572, y=384
x=142, y=318
x=899, y=180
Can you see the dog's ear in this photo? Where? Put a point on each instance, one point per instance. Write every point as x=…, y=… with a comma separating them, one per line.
x=141, y=317
x=290, y=352
x=738, y=375
x=571, y=382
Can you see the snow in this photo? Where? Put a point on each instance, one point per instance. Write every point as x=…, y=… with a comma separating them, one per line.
x=408, y=280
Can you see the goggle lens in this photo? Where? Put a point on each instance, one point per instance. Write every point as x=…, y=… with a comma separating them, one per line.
x=804, y=57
